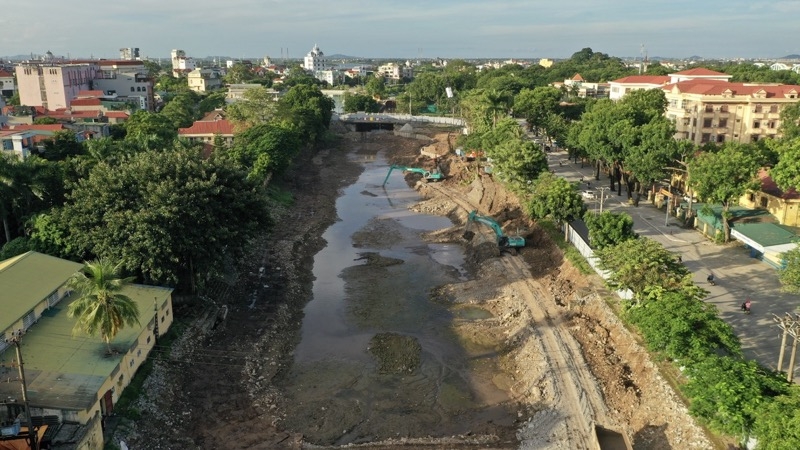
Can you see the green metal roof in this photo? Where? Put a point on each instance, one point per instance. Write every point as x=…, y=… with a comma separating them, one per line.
x=26, y=280
x=767, y=234
x=65, y=371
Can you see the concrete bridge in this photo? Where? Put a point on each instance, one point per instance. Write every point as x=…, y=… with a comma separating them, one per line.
x=374, y=121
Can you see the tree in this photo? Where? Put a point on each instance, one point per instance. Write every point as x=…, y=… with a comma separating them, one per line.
x=608, y=229
x=305, y=108
x=537, y=105
x=786, y=173
x=554, y=197
x=359, y=102
x=376, y=86
x=517, y=162
x=684, y=329
x=724, y=176
x=181, y=109
x=238, y=73
x=61, y=146
x=789, y=275
x=167, y=216
x=790, y=121
x=101, y=308
x=728, y=393
x=643, y=266
x=257, y=106
x=777, y=424
x=149, y=130
x=265, y=148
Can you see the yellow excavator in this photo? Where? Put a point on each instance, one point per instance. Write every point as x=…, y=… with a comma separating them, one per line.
x=427, y=175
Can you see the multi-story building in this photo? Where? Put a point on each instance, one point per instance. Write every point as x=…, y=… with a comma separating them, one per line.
x=206, y=132
x=181, y=64
x=129, y=53
x=53, y=85
x=236, y=92
x=204, y=80
x=74, y=379
x=394, y=71
x=315, y=60
x=7, y=85
x=719, y=111
x=127, y=80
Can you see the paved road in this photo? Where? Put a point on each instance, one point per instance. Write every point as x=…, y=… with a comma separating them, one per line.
x=738, y=275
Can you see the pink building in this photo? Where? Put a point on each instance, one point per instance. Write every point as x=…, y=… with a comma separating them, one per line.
x=53, y=86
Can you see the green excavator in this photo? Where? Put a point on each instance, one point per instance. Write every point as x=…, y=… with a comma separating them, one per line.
x=503, y=241
x=427, y=175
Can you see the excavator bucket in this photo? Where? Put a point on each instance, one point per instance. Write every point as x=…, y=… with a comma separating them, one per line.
x=468, y=235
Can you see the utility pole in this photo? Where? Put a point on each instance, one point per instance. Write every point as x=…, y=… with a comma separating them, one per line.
x=790, y=324
x=16, y=336
x=602, y=197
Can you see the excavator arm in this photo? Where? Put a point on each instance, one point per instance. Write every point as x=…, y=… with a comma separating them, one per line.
x=502, y=239
x=436, y=175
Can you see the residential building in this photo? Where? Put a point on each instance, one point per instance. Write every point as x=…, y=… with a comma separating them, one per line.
x=394, y=71
x=181, y=64
x=713, y=110
x=546, y=63
x=71, y=377
x=585, y=89
x=53, y=85
x=17, y=143
x=204, y=80
x=129, y=53
x=618, y=88
x=206, y=132
x=7, y=85
x=783, y=205
x=315, y=60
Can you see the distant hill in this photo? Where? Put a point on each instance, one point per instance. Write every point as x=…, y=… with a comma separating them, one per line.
x=340, y=56
x=792, y=56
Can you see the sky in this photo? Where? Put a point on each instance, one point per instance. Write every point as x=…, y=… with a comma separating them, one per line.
x=411, y=29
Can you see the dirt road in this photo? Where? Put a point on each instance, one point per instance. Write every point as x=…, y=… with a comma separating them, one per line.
x=566, y=360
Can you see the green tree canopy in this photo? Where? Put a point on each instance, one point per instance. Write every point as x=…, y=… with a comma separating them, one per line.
x=789, y=275
x=256, y=107
x=359, y=102
x=554, y=197
x=786, y=173
x=777, y=424
x=166, y=216
x=608, y=229
x=265, y=148
x=518, y=162
x=724, y=176
x=149, y=130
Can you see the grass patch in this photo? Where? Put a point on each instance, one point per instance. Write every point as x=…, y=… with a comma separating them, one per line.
x=280, y=196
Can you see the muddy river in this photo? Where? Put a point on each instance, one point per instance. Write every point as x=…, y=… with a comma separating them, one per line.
x=378, y=359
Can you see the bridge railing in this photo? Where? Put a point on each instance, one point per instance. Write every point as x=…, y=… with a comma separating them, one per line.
x=375, y=117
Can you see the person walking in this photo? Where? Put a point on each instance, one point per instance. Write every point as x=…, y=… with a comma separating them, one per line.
x=746, y=306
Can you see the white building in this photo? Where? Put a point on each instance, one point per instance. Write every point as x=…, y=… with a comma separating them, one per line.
x=129, y=54
x=315, y=60
x=204, y=80
x=181, y=64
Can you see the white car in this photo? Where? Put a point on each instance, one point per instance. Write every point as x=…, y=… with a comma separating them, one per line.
x=588, y=195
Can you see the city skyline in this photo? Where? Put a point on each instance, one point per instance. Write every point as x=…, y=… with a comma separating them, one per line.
x=412, y=29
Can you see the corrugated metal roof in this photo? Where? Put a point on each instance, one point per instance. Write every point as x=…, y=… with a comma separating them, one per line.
x=26, y=280
x=65, y=371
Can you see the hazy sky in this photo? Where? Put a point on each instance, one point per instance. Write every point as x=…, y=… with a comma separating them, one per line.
x=402, y=29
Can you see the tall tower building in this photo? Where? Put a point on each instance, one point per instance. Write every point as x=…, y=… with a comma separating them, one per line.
x=315, y=60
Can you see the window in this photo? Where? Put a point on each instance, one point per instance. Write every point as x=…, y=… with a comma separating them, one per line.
x=131, y=363
x=706, y=123
x=773, y=108
x=162, y=318
x=720, y=138
x=759, y=108
x=756, y=124
x=132, y=89
x=705, y=137
x=754, y=138
x=764, y=201
x=752, y=197
x=723, y=108
x=709, y=108
x=148, y=339
x=771, y=124
x=723, y=123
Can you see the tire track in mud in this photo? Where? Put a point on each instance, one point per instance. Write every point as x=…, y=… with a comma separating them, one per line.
x=576, y=393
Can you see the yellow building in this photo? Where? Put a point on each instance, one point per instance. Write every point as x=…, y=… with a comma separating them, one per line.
x=70, y=376
x=712, y=110
x=783, y=205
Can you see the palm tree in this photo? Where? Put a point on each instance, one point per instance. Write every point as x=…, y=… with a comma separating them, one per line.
x=101, y=308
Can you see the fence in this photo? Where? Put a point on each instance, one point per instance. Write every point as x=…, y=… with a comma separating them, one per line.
x=583, y=248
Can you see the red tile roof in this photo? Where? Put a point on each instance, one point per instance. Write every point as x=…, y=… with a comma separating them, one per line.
x=86, y=102
x=4, y=74
x=577, y=77
x=221, y=126
x=644, y=79
x=700, y=72
x=89, y=94
x=48, y=127
x=117, y=114
x=768, y=186
x=718, y=87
